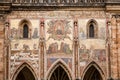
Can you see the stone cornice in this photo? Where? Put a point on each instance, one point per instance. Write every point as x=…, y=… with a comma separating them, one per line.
x=8, y=7
x=113, y=8
x=5, y=8
x=51, y=8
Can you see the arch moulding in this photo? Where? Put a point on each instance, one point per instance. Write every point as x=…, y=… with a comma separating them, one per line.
x=20, y=67
x=93, y=63
x=58, y=63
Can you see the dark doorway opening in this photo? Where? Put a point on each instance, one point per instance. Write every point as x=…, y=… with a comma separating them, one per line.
x=25, y=74
x=92, y=74
x=59, y=74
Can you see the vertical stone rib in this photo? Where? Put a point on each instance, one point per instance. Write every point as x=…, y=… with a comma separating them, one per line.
x=108, y=48
x=76, y=49
x=42, y=48
x=117, y=35
x=114, y=48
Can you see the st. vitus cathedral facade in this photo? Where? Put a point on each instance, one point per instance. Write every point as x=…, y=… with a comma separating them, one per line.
x=60, y=40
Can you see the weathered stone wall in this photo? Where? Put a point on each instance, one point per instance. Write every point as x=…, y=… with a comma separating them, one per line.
x=58, y=35
x=2, y=55
x=114, y=53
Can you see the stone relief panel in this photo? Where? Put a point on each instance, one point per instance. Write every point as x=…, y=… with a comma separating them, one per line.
x=57, y=1
x=50, y=61
x=59, y=36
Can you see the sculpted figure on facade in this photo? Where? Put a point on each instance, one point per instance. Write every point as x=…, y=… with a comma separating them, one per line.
x=63, y=1
x=113, y=20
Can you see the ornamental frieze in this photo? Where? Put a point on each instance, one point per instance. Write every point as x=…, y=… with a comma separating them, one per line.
x=58, y=1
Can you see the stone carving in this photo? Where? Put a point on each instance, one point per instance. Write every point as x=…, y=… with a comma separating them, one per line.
x=25, y=1
x=58, y=1
x=113, y=21
x=63, y=1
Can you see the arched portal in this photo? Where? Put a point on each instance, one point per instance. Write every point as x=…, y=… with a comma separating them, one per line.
x=59, y=74
x=93, y=72
x=59, y=71
x=24, y=72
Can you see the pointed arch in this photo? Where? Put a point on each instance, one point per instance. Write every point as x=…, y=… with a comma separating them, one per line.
x=25, y=23
x=92, y=68
x=92, y=29
x=24, y=66
x=57, y=64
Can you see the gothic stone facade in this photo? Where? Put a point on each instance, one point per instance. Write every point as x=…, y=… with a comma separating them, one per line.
x=59, y=34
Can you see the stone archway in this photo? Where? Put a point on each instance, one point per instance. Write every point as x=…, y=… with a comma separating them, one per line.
x=24, y=72
x=59, y=72
x=93, y=72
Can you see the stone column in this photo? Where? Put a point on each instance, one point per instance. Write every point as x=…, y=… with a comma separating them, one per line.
x=114, y=48
x=76, y=46
x=108, y=45
x=7, y=49
x=118, y=46
x=42, y=45
x=2, y=53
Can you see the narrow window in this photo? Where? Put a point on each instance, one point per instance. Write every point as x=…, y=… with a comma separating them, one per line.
x=25, y=31
x=91, y=31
